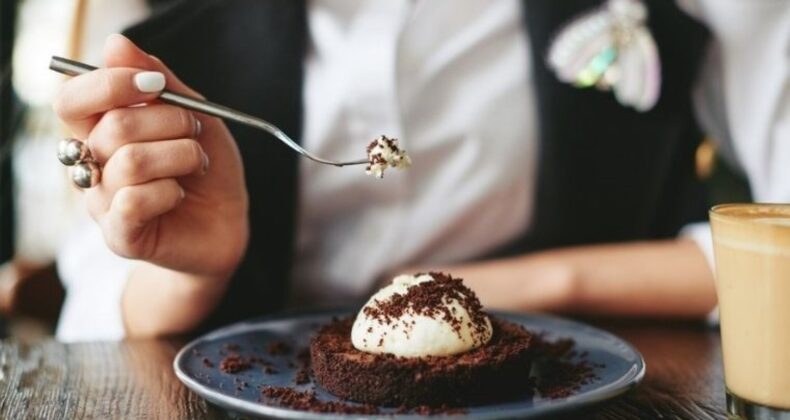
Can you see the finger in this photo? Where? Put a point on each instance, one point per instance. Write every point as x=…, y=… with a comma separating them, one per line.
x=97, y=200
x=139, y=163
x=119, y=51
x=140, y=124
x=129, y=225
x=83, y=98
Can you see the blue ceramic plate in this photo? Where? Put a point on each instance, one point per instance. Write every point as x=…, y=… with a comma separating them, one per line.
x=622, y=367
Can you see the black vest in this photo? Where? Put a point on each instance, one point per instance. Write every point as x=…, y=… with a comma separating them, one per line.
x=10, y=116
x=606, y=173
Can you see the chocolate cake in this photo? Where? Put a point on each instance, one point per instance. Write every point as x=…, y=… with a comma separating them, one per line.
x=421, y=345
x=494, y=372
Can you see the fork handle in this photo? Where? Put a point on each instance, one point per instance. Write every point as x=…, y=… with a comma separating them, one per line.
x=76, y=68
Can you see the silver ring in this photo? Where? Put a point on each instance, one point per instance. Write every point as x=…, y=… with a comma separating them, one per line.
x=72, y=152
x=86, y=173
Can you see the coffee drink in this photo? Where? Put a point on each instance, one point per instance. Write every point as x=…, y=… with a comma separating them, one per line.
x=752, y=250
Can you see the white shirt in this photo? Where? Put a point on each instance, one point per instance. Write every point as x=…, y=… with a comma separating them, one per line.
x=443, y=80
x=452, y=83
x=743, y=96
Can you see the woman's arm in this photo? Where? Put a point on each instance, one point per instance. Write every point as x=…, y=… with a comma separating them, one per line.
x=660, y=278
x=172, y=194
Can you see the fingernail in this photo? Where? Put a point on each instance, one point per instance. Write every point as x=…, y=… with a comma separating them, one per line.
x=205, y=163
x=149, y=81
x=183, y=194
x=198, y=127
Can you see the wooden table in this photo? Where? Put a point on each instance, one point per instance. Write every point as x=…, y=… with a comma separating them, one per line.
x=134, y=379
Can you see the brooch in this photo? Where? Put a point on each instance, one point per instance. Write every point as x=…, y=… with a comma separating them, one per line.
x=612, y=49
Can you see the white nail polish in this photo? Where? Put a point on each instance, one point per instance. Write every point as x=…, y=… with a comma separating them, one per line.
x=149, y=81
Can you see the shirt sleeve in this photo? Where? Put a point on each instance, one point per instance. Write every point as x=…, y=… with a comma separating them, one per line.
x=743, y=99
x=700, y=233
x=94, y=278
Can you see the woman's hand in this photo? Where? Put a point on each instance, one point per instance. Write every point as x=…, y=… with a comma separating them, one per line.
x=172, y=193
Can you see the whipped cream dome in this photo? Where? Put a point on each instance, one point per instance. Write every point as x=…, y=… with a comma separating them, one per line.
x=384, y=153
x=424, y=315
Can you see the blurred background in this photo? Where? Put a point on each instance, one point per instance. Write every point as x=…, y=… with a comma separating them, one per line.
x=38, y=204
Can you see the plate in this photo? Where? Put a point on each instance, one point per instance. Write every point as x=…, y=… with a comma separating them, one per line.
x=619, y=367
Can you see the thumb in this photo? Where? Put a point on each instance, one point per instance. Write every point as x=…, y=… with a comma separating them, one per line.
x=119, y=51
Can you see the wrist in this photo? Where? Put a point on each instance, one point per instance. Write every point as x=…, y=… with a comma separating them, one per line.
x=550, y=283
x=223, y=257
x=191, y=287
x=157, y=301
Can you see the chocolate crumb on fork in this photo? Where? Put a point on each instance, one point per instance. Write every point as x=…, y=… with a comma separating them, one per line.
x=383, y=153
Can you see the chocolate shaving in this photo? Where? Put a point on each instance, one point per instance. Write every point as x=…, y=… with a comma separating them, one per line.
x=307, y=401
x=302, y=375
x=303, y=356
x=233, y=363
x=427, y=410
x=560, y=371
x=259, y=361
x=278, y=348
x=240, y=384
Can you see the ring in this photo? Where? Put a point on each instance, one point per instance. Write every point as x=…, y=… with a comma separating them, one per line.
x=86, y=172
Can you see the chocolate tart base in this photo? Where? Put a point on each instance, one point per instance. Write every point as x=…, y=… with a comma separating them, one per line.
x=496, y=372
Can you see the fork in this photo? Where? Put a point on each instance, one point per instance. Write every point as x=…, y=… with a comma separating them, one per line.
x=75, y=68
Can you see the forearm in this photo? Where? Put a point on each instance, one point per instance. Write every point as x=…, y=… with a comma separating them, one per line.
x=157, y=301
x=661, y=278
